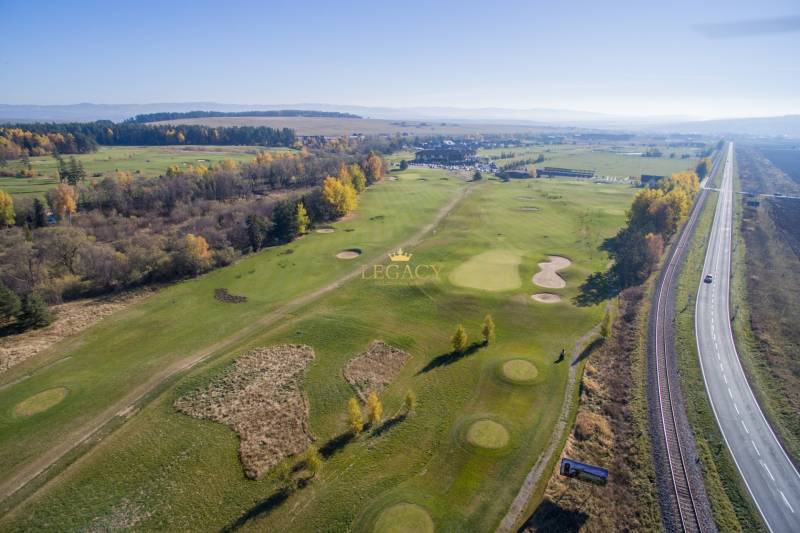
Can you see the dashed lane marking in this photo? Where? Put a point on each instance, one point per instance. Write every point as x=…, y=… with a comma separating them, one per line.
x=756, y=447
x=786, y=501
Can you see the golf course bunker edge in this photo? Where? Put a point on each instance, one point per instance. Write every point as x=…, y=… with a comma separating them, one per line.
x=350, y=253
x=548, y=276
x=546, y=298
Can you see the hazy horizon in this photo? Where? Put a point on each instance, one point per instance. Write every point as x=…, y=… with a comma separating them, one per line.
x=639, y=61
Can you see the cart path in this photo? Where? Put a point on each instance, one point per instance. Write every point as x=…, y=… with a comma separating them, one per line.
x=31, y=470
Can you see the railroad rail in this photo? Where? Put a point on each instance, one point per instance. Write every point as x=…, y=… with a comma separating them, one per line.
x=676, y=455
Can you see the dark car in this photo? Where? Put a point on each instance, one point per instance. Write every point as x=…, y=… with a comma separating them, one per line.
x=708, y=278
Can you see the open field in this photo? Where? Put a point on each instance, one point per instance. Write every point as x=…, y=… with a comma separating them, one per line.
x=766, y=263
x=164, y=470
x=618, y=160
x=366, y=126
x=125, y=351
x=141, y=161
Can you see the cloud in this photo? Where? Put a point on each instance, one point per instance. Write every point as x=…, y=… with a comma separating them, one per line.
x=751, y=27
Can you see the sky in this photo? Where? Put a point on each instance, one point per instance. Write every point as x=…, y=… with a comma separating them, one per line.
x=690, y=59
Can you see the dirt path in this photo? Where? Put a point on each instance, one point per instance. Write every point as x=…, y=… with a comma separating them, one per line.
x=515, y=512
x=127, y=404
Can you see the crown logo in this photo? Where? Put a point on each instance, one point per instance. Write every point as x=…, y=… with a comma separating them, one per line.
x=400, y=256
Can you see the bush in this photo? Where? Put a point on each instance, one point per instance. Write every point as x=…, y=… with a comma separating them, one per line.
x=34, y=313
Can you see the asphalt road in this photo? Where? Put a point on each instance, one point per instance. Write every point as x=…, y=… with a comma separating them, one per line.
x=770, y=476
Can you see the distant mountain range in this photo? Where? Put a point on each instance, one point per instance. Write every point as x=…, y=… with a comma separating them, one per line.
x=788, y=125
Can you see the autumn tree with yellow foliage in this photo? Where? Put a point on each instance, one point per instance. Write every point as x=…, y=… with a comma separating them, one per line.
x=6, y=209
x=341, y=197
x=355, y=418
x=64, y=201
x=374, y=409
x=654, y=217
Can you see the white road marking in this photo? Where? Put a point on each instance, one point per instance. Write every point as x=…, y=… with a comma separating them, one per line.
x=745, y=428
x=724, y=376
x=722, y=368
x=786, y=501
x=767, y=469
x=730, y=393
x=756, y=447
x=737, y=409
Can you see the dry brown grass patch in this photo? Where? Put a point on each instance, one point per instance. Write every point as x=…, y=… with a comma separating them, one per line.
x=374, y=369
x=260, y=398
x=70, y=318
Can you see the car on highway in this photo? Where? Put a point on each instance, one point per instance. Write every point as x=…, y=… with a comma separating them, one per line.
x=708, y=278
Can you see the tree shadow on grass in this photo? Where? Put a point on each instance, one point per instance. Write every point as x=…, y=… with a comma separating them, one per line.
x=552, y=517
x=451, y=357
x=588, y=350
x=598, y=287
x=388, y=424
x=335, y=444
x=262, y=508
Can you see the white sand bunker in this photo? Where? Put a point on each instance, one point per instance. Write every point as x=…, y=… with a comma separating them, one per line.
x=528, y=208
x=547, y=298
x=392, y=178
x=325, y=230
x=352, y=253
x=260, y=398
x=548, y=277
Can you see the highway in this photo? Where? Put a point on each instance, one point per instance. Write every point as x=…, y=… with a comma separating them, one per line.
x=770, y=476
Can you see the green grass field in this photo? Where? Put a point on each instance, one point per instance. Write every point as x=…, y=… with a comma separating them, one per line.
x=163, y=470
x=607, y=160
x=141, y=161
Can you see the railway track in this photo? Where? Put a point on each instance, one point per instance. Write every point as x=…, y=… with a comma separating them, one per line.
x=676, y=454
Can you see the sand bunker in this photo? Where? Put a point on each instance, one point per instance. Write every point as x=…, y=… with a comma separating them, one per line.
x=403, y=518
x=40, y=402
x=525, y=198
x=374, y=369
x=495, y=271
x=547, y=298
x=325, y=230
x=352, y=253
x=528, y=208
x=260, y=398
x=487, y=434
x=548, y=277
x=392, y=178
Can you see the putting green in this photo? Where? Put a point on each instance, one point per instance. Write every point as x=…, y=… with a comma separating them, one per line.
x=519, y=370
x=404, y=518
x=495, y=271
x=40, y=402
x=487, y=434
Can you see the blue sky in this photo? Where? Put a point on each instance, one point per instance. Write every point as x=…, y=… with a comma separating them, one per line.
x=632, y=58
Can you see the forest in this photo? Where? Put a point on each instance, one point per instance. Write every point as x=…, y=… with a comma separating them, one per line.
x=27, y=140
x=94, y=238
x=158, y=117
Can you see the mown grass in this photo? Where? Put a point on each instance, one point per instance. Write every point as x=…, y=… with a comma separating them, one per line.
x=601, y=158
x=164, y=470
x=140, y=161
x=731, y=505
x=123, y=351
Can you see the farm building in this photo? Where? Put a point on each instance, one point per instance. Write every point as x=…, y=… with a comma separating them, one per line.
x=444, y=155
x=564, y=172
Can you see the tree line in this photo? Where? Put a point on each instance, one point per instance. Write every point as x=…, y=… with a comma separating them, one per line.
x=159, y=117
x=25, y=140
x=89, y=239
